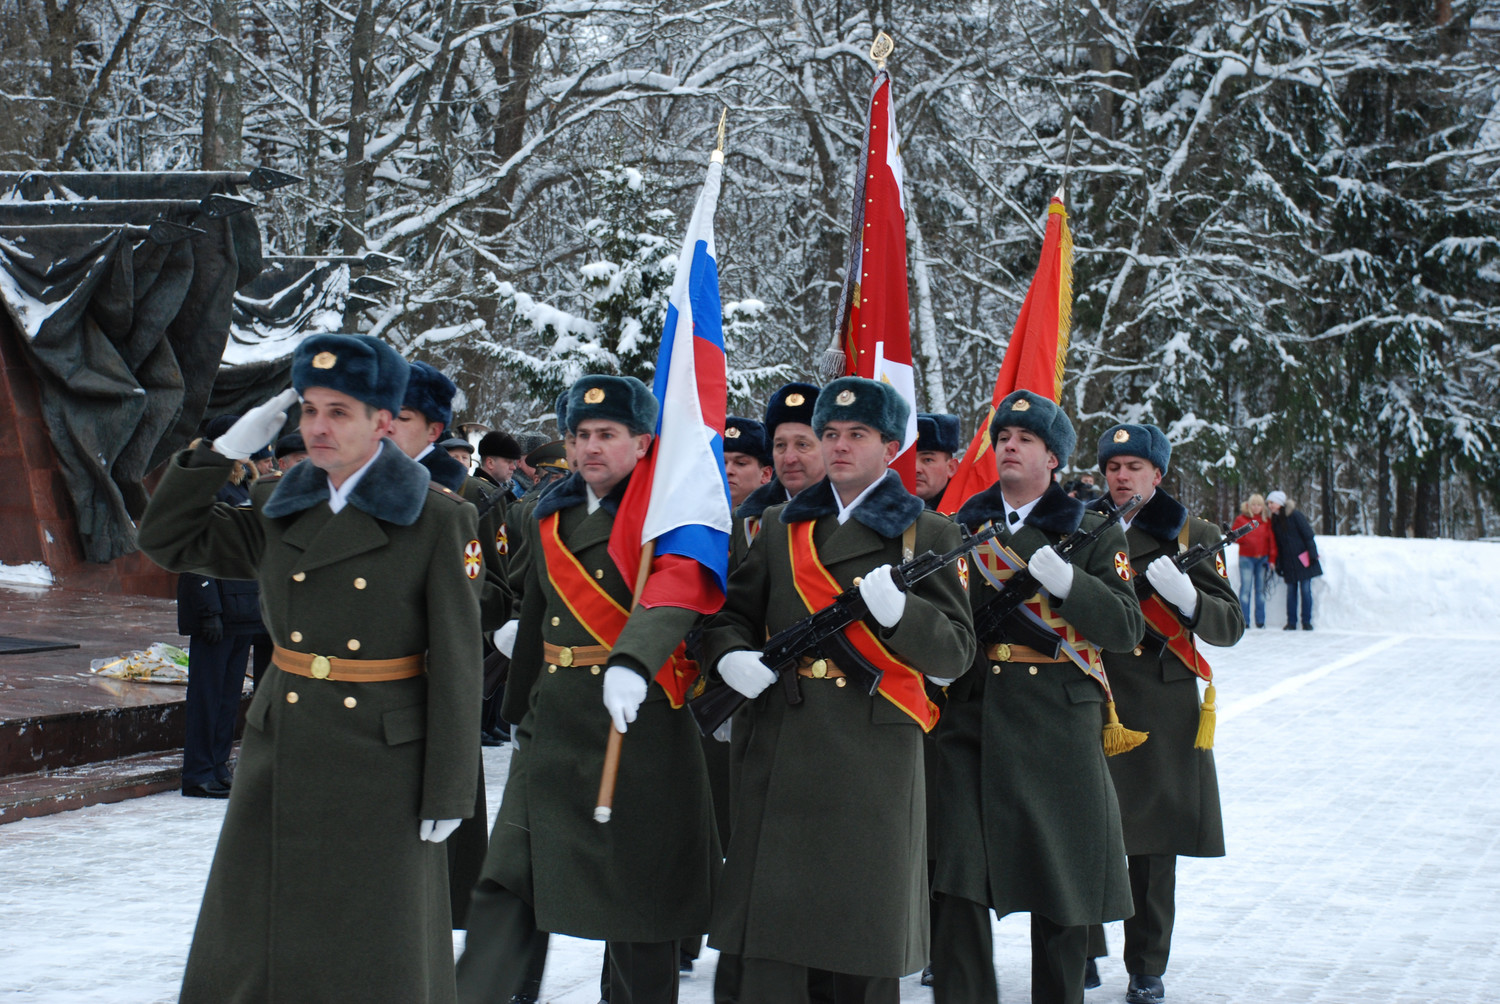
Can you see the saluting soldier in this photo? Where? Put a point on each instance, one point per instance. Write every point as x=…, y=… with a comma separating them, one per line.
x=360, y=748
x=797, y=460
x=644, y=880
x=1029, y=820
x=1167, y=787
x=938, y=443
x=826, y=867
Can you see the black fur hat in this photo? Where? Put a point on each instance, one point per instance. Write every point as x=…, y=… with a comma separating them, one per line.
x=1144, y=441
x=939, y=433
x=1039, y=415
x=746, y=435
x=430, y=392
x=612, y=399
x=792, y=403
x=499, y=444
x=361, y=366
x=289, y=444
x=869, y=402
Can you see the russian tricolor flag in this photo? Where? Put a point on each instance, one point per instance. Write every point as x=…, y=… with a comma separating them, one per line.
x=678, y=495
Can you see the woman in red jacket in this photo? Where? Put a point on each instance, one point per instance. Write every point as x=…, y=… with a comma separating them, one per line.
x=1257, y=556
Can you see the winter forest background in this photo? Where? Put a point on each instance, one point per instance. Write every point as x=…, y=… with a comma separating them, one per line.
x=1286, y=214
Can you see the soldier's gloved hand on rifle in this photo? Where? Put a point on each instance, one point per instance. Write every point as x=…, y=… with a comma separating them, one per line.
x=437, y=830
x=1173, y=585
x=886, y=602
x=255, y=428
x=744, y=671
x=624, y=690
x=505, y=637
x=1055, y=574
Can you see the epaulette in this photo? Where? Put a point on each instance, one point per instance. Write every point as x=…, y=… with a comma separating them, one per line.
x=437, y=489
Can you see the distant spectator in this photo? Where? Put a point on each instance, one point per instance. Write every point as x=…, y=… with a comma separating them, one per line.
x=499, y=453
x=523, y=478
x=290, y=450
x=1296, y=557
x=1083, y=488
x=1257, y=555
x=265, y=462
x=458, y=447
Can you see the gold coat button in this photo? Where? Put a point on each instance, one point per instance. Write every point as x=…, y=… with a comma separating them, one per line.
x=350, y=702
x=354, y=644
x=1138, y=650
x=995, y=669
x=296, y=636
x=551, y=669
x=291, y=697
x=1031, y=670
x=598, y=573
x=298, y=577
x=360, y=583
x=838, y=681
x=556, y=621
x=858, y=579
x=594, y=670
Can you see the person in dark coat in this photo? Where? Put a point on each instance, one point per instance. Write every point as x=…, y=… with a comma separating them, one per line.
x=1029, y=818
x=221, y=618
x=361, y=745
x=1296, y=557
x=1167, y=787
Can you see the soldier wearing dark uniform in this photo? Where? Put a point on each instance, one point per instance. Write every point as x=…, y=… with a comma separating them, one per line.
x=645, y=879
x=826, y=868
x=1167, y=788
x=360, y=747
x=1028, y=815
x=938, y=442
x=796, y=456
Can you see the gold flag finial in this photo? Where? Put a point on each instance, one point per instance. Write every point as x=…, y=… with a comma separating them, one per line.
x=881, y=49
x=718, y=154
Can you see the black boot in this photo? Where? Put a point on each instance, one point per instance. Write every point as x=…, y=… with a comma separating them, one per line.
x=1091, y=974
x=927, y=980
x=1145, y=990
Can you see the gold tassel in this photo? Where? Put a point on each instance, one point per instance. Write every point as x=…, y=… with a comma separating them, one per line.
x=1117, y=738
x=1207, y=719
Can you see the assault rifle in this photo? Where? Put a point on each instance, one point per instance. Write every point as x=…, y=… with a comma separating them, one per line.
x=820, y=635
x=1185, y=560
x=1000, y=619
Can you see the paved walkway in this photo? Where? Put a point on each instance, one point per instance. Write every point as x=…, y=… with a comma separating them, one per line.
x=1362, y=809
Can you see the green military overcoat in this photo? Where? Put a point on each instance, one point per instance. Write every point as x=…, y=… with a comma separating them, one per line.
x=1168, y=791
x=648, y=874
x=320, y=887
x=827, y=864
x=1029, y=820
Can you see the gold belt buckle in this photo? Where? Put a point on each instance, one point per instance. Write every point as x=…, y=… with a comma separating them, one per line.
x=1002, y=652
x=565, y=656
x=820, y=669
x=321, y=668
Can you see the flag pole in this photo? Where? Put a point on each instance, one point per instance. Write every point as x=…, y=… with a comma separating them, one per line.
x=604, y=804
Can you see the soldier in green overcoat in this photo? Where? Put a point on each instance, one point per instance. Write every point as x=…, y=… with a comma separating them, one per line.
x=645, y=879
x=826, y=868
x=1167, y=787
x=1029, y=818
x=360, y=747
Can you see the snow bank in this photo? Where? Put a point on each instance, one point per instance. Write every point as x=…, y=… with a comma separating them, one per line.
x=32, y=573
x=1385, y=585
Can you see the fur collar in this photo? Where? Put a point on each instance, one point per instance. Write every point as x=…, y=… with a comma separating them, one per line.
x=1162, y=518
x=573, y=490
x=394, y=489
x=888, y=510
x=769, y=494
x=445, y=471
x=1055, y=512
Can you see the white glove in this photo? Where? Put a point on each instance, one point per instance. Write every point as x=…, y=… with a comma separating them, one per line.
x=744, y=671
x=505, y=638
x=624, y=690
x=255, y=428
x=1173, y=584
x=1055, y=574
x=437, y=830
x=886, y=602
x=723, y=732
x=941, y=681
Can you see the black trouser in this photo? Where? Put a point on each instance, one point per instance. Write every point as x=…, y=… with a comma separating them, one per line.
x=963, y=956
x=764, y=981
x=1148, y=934
x=216, y=678
x=503, y=941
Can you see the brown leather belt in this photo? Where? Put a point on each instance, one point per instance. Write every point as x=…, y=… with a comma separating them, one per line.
x=321, y=667
x=576, y=655
x=1020, y=653
x=820, y=669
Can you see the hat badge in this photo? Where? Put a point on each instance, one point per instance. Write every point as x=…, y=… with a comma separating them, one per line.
x=324, y=361
x=794, y=400
x=593, y=395
x=846, y=397
x=1021, y=404
x=1122, y=435
x=732, y=432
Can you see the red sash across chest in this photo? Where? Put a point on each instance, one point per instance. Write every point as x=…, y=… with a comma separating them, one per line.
x=899, y=683
x=600, y=614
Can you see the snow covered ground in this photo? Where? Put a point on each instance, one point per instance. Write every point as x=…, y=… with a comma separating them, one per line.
x=1359, y=764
